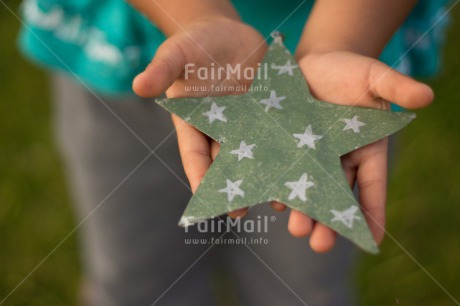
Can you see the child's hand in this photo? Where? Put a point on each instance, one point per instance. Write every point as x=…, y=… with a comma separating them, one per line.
x=337, y=77
x=212, y=41
x=352, y=79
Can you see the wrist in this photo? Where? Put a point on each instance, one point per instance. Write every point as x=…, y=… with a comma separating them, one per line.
x=355, y=26
x=210, y=20
x=307, y=48
x=171, y=17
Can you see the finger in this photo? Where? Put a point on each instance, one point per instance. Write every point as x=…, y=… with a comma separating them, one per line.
x=322, y=238
x=299, y=224
x=349, y=168
x=398, y=88
x=215, y=149
x=278, y=206
x=194, y=151
x=238, y=213
x=372, y=183
x=166, y=66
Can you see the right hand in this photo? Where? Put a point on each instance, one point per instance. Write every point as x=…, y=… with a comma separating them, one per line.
x=209, y=42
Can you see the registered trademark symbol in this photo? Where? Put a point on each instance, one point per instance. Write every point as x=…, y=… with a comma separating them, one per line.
x=272, y=218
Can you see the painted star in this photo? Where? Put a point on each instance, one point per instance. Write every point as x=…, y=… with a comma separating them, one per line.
x=244, y=151
x=216, y=113
x=233, y=189
x=307, y=138
x=287, y=68
x=352, y=124
x=273, y=101
x=299, y=188
x=285, y=142
x=347, y=216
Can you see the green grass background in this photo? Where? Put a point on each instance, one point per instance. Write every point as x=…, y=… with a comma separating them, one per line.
x=35, y=214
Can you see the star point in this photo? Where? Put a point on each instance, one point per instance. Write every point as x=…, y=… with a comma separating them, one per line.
x=347, y=216
x=287, y=68
x=272, y=102
x=353, y=124
x=307, y=138
x=299, y=188
x=216, y=113
x=244, y=151
x=233, y=189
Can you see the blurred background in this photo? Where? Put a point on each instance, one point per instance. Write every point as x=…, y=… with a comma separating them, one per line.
x=419, y=263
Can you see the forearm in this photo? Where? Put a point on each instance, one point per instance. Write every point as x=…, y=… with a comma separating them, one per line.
x=360, y=26
x=171, y=16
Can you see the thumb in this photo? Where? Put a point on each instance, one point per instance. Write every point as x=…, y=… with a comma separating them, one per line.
x=166, y=66
x=398, y=88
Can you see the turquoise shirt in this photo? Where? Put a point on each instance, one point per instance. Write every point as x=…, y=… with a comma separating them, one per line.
x=106, y=43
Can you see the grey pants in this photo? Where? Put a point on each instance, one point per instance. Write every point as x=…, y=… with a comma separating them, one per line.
x=129, y=204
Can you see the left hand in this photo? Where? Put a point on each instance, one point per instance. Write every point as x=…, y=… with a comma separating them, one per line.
x=348, y=78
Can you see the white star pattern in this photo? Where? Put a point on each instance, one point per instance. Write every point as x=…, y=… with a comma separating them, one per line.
x=273, y=101
x=352, y=124
x=299, y=188
x=346, y=216
x=244, y=151
x=288, y=68
x=233, y=189
x=216, y=113
x=307, y=138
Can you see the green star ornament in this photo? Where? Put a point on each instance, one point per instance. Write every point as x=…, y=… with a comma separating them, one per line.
x=282, y=144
